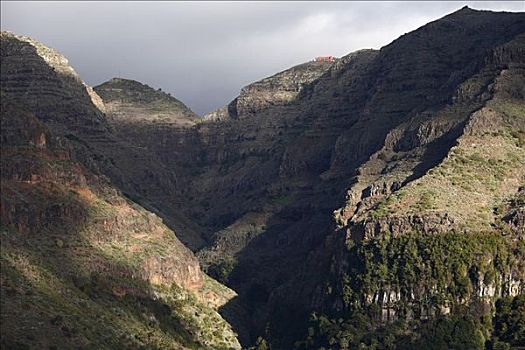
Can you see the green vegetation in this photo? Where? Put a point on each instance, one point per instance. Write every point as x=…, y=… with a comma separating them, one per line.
x=82, y=309
x=509, y=323
x=84, y=268
x=468, y=183
x=445, y=333
x=260, y=344
x=426, y=272
x=452, y=332
x=447, y=267
x=512, y=108
x=384, y=207
x=438, y=270
x=357, y=330
x=221, y=269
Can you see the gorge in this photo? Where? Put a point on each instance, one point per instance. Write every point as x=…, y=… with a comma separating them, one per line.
x=376, y=201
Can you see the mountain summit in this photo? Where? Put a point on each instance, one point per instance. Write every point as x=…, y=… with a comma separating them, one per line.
x=132, y=101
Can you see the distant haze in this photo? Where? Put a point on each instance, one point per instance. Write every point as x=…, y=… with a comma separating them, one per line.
x=204, y=52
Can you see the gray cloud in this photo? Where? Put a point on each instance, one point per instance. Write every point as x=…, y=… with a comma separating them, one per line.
x=204, y=52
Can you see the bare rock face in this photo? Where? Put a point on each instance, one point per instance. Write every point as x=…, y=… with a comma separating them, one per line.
x=431, y=223
x=280, y=89
x=217, y=115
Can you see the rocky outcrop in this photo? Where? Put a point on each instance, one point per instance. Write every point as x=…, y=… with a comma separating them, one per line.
x=432, y=223
x=512, y=213
x=280, y=89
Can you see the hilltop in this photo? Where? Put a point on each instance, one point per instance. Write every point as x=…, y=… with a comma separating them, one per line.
x=131, y=101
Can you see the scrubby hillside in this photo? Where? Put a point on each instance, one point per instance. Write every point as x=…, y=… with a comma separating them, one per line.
x=440, y=248
x=82, y=265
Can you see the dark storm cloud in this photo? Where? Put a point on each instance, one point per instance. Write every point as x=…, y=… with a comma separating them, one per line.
x=204, y=52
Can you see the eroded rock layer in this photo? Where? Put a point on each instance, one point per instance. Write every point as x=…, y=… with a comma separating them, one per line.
x=370, y=200
x=296, y=168
x=87, y=265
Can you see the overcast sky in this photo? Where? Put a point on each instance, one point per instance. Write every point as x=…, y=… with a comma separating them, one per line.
x=205, y=52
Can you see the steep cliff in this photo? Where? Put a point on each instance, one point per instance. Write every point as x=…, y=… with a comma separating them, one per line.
x=41, y=79
x=298, y=177
x=431, y=220
x=163, y=127
x=82, y=265
x=279, y=89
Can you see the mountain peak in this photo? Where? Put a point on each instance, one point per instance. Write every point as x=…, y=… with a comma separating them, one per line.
x=143, y=102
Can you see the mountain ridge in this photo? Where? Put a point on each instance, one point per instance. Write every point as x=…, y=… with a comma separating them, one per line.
x=278, y=89
x=78, y=257
x=381, y=167
x=372, y=123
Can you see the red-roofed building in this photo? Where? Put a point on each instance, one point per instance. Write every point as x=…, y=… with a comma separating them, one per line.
x=325, y=59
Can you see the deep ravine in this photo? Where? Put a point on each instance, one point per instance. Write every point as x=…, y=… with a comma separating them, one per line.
x=374, y=202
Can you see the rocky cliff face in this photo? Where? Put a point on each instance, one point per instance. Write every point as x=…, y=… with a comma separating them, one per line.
x=40, y=79
x=37, y=163
x=80, y=260
x=277, y=90
x=162, y=127
x=384, y=187
x=384, y=133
